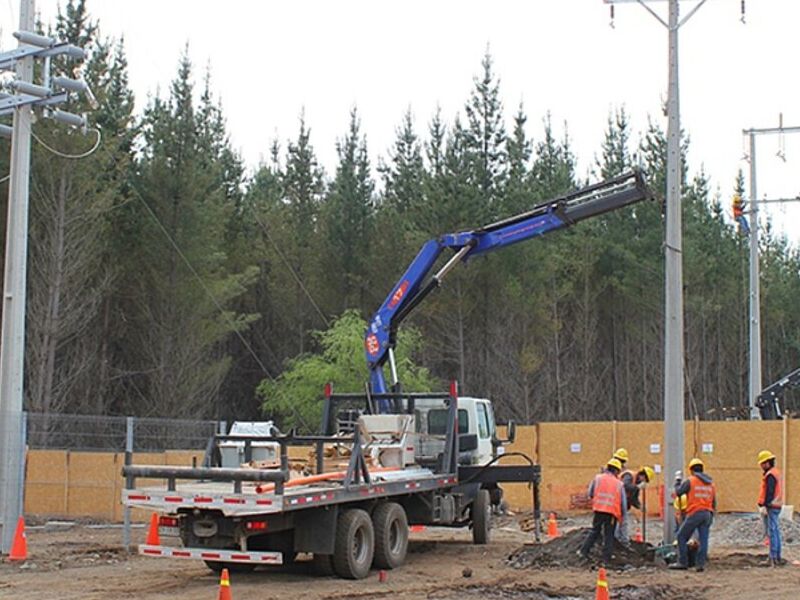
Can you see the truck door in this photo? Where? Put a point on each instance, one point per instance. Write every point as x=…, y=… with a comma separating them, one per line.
x=485, y=431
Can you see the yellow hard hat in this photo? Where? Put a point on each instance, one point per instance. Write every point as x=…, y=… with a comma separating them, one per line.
x=695, y=462
x=764, y=456
x=737, y=199
x=681, y=502
x=649, y=473
x=614, y=463
x=621, y=454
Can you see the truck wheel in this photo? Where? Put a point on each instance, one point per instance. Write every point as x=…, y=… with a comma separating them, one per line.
x=391, y=535
x=354, y=546
x=481, y=517
x=323, y=564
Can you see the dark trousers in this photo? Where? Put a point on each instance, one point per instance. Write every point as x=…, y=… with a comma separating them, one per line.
x=606, y=523
x=700, y=521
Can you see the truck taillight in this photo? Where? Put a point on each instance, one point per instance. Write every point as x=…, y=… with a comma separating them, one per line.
x=168, y=521
x=255, y=525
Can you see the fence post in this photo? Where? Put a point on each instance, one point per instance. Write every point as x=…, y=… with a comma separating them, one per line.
x=126, y=530
x=784, y=458
x=22, y=459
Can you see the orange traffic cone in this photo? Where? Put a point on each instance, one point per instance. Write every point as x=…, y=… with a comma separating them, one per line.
x=601, y=592
x=152, y=533
x=224, y=586
x=552, y=526
x=19, y=547
x=637, y=537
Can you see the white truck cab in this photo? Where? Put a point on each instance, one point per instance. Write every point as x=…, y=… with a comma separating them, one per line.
x=475, y=417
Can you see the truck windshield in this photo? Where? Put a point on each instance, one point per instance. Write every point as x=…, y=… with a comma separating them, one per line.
x=437, y=421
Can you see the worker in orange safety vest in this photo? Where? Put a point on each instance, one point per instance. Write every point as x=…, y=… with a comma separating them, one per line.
x=608, y=505
x=701, y=503
x=770, y=502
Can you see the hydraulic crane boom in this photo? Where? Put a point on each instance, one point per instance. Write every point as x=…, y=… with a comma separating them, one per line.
x=769, y=400
x=380, y=337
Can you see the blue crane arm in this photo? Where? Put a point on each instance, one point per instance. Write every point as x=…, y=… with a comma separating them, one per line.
x=413, y=287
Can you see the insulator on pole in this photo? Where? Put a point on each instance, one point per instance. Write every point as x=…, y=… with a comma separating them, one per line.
x=73, y=52
x=31, y=89
x=69, y=118
x=73, y=85
x=34, y=39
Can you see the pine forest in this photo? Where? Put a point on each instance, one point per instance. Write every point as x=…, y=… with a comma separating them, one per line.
x=168, y=278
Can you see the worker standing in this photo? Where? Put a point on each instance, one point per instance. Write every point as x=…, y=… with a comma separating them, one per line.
x=621, y=530
x=632, y=483
x=770, y=501
x=701, y=502
x=608, y=505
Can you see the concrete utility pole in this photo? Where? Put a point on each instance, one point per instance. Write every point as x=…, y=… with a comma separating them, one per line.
x=12, y=350
x=755, y=380
x=25, y=95
x=673, y=311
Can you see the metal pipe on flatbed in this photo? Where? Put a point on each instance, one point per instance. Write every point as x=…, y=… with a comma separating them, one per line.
x=210, y=474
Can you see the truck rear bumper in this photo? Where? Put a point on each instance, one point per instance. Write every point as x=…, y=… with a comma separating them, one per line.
x=233, y=556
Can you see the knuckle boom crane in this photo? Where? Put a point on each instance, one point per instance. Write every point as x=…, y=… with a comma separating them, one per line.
x=413, y=287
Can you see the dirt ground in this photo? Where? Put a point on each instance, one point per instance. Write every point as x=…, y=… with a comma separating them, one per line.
x=87, y=563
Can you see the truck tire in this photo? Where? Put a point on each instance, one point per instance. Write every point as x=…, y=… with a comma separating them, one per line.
x=391, y=535
x=323, y=564
x=481, y=517
x=354, y=545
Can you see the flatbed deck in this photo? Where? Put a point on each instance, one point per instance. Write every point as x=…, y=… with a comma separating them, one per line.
x=219, y=496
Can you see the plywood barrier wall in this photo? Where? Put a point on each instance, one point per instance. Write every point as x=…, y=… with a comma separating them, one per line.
x=89, y=484
x=572, y=453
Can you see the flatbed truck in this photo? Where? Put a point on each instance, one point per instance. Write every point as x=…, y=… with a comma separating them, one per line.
x=414, y=459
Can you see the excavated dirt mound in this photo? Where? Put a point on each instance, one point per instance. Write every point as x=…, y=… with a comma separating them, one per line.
x=544, y=592
x=563, y=552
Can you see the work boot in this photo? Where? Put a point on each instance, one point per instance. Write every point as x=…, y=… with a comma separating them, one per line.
x=700, y=569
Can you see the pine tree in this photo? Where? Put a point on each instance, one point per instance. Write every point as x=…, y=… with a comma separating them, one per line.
x=485, y=136
x=348, y=217
x=185, y=286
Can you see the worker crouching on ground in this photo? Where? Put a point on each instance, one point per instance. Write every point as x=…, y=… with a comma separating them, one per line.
x=770, y=501
x=701, y=502
x=608, y=505
x=632, y=483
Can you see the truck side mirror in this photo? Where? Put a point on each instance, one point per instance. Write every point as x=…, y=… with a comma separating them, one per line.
x=511, y=432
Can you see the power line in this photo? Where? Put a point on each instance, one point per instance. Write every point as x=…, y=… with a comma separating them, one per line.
x=292, y=271
x=208, y=291
x=70, y=156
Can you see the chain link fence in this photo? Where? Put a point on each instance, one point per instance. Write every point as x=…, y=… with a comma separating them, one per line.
x=109, y=434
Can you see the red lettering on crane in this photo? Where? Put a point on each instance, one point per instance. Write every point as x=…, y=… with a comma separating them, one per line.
x=399, y=293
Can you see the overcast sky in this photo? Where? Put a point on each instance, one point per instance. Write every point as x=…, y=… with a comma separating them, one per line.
x=271, y=59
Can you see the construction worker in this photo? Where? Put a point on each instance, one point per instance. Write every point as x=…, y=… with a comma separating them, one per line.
x=738, y=214
x=770, y=501
x=701, y=502
x=679, y=504
x=608, y=505
x=632, y=482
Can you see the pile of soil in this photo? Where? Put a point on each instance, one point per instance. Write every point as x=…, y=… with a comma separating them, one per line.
x=748, y=529
x=545, y=592
x=563, y=552
x=504, y=592
x=651, y=592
